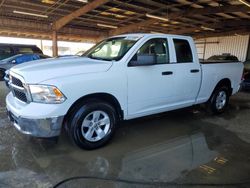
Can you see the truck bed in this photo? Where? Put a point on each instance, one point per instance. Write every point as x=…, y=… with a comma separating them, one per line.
x=217, y=61
x=213, y=72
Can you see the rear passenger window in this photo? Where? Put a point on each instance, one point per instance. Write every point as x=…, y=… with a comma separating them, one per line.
x=183, y=51
x=24, y=50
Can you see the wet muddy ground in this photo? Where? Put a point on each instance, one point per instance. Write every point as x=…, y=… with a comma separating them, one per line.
x=188, y=147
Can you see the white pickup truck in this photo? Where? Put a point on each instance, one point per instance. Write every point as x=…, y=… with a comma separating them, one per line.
x=121, y=78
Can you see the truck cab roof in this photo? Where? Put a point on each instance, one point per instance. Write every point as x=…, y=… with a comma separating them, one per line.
x=151, y=35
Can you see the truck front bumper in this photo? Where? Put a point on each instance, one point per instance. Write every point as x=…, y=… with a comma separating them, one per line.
x=43, y=127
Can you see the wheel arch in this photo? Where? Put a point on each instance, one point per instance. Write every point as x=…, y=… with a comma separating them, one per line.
x=224, y=82
x=106, y=97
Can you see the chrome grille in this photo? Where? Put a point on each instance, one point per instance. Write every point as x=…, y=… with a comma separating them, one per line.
x=17, y=88
x=16, y=82
x=20, y=95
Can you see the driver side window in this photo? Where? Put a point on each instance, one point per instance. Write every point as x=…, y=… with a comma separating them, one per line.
x=157, y=48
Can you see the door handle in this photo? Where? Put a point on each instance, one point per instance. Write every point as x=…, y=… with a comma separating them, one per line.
x=194, y=70
x=167, y=73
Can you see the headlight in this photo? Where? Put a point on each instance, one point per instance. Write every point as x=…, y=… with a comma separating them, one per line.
x=46, y=94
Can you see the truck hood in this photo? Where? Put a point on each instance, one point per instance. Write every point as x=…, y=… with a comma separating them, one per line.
x=46, y=69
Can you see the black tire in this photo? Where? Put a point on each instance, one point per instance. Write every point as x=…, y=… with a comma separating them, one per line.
x=78, y=115
x=212, y=103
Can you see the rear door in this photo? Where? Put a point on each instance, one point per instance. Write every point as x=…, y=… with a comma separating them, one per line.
x=187, y=71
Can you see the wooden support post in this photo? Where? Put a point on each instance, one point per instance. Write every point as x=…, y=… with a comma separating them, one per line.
x=41, y=44
x=54, y=44
x=204, y=49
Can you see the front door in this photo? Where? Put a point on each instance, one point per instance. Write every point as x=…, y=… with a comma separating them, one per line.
x=151, y=88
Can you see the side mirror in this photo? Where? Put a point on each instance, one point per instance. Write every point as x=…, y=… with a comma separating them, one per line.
x=143, y=60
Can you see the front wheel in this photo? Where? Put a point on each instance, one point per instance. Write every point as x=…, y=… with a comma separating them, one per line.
x=219, y=100
x=92, y=124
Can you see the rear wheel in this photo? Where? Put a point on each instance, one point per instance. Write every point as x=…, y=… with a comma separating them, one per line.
x=92, y=125
x=219, y=100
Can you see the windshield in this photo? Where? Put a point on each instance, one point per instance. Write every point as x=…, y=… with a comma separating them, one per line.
x=111, y=49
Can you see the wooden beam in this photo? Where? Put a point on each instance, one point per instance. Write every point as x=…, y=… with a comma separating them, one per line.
x=132, y=27
x=2, y=3
x=86, y=8
x=54, y=44
x=42, y=29
x=233, y=25
x=211, y=10
x=88, y=18
x=175, y=15
x=40, y=26
x=10, y=32
x=244, y=31
x=220, y=26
